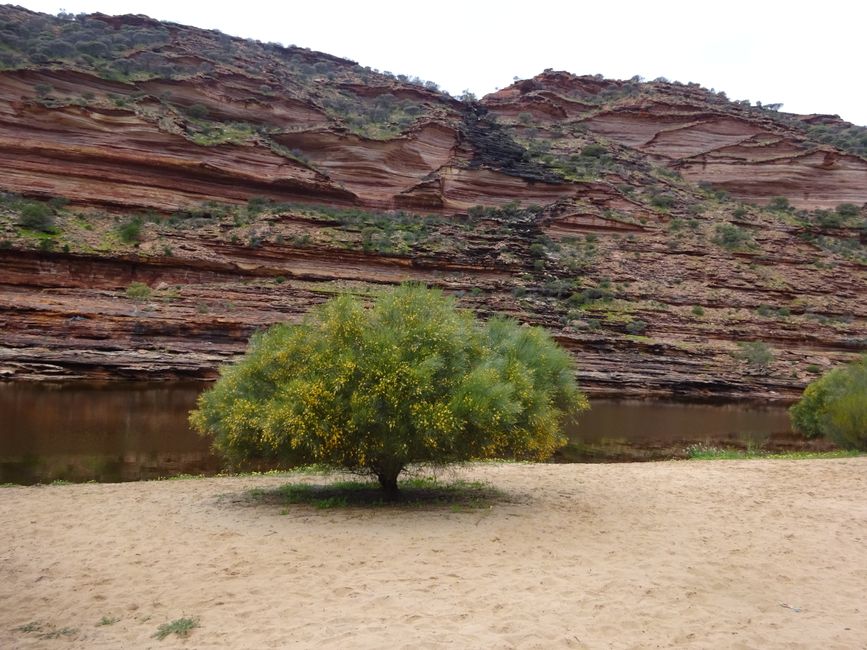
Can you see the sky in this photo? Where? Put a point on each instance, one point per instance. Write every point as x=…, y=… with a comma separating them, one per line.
x=805, y=56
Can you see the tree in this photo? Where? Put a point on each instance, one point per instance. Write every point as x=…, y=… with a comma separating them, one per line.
x=835, y=406
x=411, y=379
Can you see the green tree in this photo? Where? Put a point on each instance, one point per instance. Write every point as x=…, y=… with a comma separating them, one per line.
x=411, y=379
x=835, y=406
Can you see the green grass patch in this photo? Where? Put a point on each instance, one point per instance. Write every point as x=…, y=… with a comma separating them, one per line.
x=138, y=291
x=414, y=492
x=704, y=452
x=301, y=470
x=180, y=626
x=45, y=630
x=209, y=134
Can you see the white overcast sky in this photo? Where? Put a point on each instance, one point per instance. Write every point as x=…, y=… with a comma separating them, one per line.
x=809, y=56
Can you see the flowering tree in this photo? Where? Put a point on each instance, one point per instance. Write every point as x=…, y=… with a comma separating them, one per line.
x=411, y=379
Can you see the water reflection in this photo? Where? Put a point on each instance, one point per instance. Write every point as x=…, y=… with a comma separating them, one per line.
x=104, y=432
x=131, y=431
x=637, y=420
x=646, y=430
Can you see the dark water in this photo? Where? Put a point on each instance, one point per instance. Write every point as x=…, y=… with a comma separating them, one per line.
x=643, y=430
x=127, y=432
x=103, y=432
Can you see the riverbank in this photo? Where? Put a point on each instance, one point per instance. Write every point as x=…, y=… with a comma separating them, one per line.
x=761, y=553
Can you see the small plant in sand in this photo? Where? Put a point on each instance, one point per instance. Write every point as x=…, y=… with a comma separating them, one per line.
x=835, y=406
x=411, y=379
x=179, y=626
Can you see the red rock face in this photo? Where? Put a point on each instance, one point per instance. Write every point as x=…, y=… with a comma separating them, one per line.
x=568, y=202
x=747, y=152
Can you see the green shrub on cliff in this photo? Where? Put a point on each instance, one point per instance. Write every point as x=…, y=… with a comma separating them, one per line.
x=835, y=406
x=138, y=291
x=130, y=230
x=756, y=354
x=37, y=216
x=731, y=237
x=411, y=379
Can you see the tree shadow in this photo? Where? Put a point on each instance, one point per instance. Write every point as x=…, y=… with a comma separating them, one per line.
x=425, y=493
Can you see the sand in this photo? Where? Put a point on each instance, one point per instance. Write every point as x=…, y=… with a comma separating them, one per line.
x=721, y=554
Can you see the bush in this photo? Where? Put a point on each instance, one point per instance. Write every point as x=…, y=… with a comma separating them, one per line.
x=636, y=327
x=731, y=237
x=138, y=291
x=130, y=231
x=197, y=111
x=37, y=216
x=411, y=379
x=779, y=204
x=662, y=201
x=847, y=210
x=835, y=406
x=756, y=354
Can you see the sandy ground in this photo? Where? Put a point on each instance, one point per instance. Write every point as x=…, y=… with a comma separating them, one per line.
x=724, y=554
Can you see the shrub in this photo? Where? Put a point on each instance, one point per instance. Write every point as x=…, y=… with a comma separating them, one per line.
x=731, y=237
x=847, y=210
x=602, y=293
x=37, y=216
x=130, y=231
x=138, y=291
x=662, y=201
x=828, y=219
x=780, y=204
x=835, y=406
x=411, y=379
x=197, y=111
x=756, y=354
x=698, y=310
x=593, y=151
x=636, y=327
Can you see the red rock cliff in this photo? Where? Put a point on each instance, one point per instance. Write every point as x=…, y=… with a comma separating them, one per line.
x=205, y=186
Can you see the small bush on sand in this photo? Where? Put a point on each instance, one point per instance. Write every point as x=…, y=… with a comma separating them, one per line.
x=180, y=626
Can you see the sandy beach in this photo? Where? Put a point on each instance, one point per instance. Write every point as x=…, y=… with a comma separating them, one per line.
x=724, y=554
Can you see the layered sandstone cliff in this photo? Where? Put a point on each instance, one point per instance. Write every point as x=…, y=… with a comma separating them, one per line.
x=205, y=186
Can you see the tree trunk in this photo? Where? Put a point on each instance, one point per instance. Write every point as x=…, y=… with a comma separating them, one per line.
x=388, y=481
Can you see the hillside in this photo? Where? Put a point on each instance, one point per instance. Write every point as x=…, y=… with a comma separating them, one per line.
x=168, y=190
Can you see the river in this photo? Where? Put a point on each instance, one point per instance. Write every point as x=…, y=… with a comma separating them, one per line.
x=131, y=431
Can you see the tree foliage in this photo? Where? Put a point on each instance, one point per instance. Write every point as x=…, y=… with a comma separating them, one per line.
x=411, y=379
x=836, y=406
